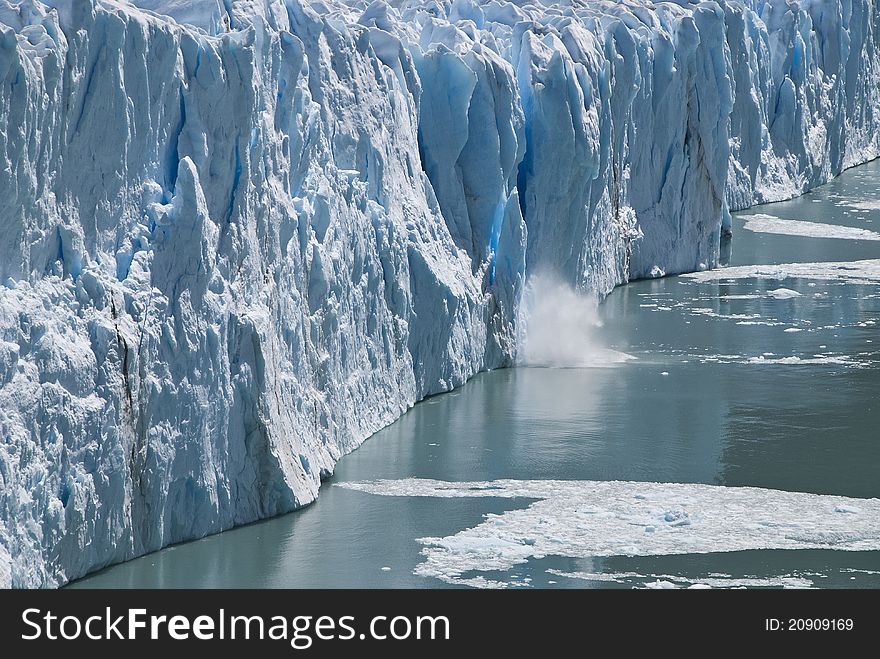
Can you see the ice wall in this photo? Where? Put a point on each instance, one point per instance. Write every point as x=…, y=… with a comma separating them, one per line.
x=238, y=237
x=806, y=103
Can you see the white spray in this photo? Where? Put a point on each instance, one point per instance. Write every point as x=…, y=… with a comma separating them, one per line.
x=558, y=327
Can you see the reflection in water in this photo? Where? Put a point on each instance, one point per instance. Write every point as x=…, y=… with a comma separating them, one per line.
x=726, y=251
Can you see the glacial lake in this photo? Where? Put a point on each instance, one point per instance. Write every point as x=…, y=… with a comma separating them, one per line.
x=745, y=382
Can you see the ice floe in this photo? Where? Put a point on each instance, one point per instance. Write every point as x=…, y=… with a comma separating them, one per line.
x=763, y=223
x=853, y=272
x=768, y=359
x=581, y=519
x=665, y=581
x=794, y=360
x=865, y=205
x=783, y=293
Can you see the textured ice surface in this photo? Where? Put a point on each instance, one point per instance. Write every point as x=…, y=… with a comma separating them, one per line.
x=237, y=237
x=761, y=223
x=581, y=519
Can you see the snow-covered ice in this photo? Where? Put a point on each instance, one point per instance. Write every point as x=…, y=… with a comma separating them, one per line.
x=240, y=236
x=581, y=519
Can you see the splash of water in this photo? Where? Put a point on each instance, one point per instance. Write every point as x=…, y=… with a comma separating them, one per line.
x=558, y=327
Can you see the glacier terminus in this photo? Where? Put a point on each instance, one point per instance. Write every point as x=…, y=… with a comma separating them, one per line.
x=238, y=237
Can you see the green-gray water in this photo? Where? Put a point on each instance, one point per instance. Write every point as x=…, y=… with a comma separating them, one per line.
x=730, y=385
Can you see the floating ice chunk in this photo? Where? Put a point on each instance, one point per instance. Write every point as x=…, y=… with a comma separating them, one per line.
x=783, y=293
x=712, y=580
x=838, y=360
x=711, y=313
x=762, y=223
x=865, y=205
x=855, y=272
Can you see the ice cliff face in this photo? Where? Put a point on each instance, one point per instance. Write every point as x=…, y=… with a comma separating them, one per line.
x=238, y=237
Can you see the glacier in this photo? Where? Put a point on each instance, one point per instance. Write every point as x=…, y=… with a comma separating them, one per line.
x=237, y=237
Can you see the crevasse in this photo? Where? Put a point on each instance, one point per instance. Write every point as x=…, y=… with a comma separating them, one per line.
x=239, y=237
